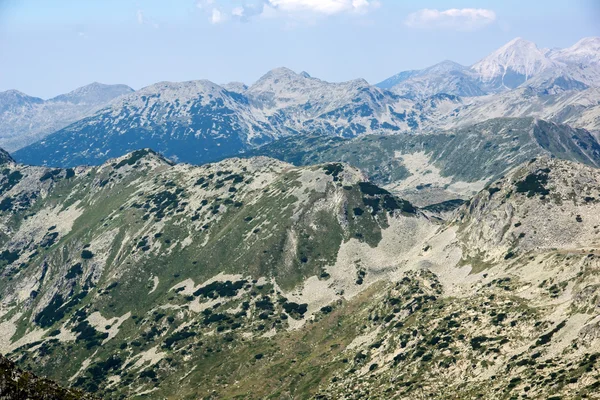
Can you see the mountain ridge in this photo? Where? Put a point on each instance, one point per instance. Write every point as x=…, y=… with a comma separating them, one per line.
x=508, y=67
x=25, y=119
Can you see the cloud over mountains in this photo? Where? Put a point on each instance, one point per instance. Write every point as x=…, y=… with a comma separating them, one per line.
x=465, y=19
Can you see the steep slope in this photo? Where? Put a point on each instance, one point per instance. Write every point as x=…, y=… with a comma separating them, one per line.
x=25, y=119
x=17, y=384
x=438, y=167
x=109, y=273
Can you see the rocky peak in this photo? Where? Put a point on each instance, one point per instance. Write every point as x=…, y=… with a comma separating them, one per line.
x=140, y=157
x=14, y=99
x=280, y=79
x=94, y=93
x=519, y=56
x=445, y=66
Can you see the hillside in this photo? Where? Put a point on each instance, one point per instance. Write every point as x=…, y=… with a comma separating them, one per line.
x=261, y=279
x=108, y=272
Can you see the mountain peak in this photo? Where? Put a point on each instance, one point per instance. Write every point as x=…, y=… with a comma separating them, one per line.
x=235, y=87
x=93, y=93
x=282, y=78
x=512, y=64
x=13, y=94
x=519, y=41
x=148, y=156
x=585, y=51
x=281, y=73
x=445, y=66
x=590, y=40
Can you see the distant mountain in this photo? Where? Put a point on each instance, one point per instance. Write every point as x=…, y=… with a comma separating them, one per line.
x=25, y=119
x=519, y=62
x=549, y=100
x=446, y=77
x=200, y=121
x=585, y=51
x=92, y=94
x=236, y=87
x=390, y=82
x=299, y=102
x=512, y=64
x=195, y=121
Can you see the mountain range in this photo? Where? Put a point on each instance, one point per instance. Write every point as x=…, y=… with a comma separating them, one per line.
x=25, y=119
x=516, y=63
x=199, y=121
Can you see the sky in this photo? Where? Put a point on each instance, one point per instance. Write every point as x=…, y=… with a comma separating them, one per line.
x=49, y=47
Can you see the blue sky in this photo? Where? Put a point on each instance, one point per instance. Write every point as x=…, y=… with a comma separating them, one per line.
x=50, y=47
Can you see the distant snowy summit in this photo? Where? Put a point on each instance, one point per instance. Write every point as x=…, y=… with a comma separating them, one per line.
x=512, y=65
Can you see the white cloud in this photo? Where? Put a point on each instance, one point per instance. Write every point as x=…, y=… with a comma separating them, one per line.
x=143, y=20
x=140, y=17
x=216, y=16
x=465, y=19
x=327, y=7
x=217, y=11
x=204, y=3
x=238, y=12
